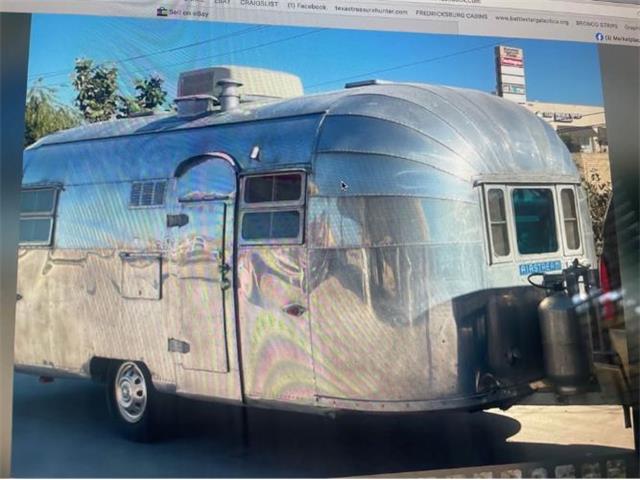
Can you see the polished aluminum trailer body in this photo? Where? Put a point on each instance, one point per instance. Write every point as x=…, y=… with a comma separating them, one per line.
x=389, y=301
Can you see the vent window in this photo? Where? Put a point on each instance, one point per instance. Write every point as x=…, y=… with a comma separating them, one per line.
x=37, y=215
x=147, y=194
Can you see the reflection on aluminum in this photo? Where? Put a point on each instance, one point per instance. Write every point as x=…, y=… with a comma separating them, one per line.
x=400, y=309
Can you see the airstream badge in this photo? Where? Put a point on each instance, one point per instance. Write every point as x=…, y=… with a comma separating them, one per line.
x=540, y=267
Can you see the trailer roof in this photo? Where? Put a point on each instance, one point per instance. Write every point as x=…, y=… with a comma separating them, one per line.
x=479, y=132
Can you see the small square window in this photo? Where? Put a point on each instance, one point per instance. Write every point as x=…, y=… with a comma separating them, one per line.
x=272, y=225
x=35, y=230
x=37, y=201
x=286, y=187
x=273, y=208
x=37, y=209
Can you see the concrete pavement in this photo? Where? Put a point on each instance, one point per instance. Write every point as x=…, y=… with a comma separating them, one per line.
x=63, y=429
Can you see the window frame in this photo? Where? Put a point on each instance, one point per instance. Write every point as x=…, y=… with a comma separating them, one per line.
x=493, y=258
x=535, y=186
x=565, y=243
x=298, y=205
x=299, y=240
x=274, y=204
x=50, y=215
x=516, y=256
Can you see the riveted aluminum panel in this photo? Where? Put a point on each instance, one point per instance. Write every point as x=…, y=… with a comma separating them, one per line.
x=356, y=173
x=276, y=346
x=283, y=141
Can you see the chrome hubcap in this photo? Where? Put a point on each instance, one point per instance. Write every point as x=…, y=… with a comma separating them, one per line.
x=131, y=392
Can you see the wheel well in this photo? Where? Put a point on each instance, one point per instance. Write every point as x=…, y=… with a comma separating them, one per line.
x=98, y=368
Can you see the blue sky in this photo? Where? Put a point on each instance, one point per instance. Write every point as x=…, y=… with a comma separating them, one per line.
x=562, y=72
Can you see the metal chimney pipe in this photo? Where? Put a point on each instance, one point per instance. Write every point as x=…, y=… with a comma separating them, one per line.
x=230, y=96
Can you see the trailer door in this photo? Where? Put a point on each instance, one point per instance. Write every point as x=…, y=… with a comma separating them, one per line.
x=200, y=274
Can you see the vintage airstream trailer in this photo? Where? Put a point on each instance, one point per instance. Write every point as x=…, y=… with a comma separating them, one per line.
x=364, y=249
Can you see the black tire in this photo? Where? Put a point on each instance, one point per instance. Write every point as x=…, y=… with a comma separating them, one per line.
x=137, y=409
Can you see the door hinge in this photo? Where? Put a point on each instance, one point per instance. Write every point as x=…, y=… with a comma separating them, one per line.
x=178, y=346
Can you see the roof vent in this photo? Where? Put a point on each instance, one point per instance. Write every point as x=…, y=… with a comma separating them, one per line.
x=192, y=105
x=365, y=83
x=229, y=96
x=257, y=83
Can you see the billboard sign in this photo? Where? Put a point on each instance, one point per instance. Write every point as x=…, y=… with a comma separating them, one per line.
x=511, y=62
x=511, y=88
x=507, y=70
x=510, y=74
x=510, y=52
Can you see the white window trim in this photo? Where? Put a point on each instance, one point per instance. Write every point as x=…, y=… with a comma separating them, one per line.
x=568, y=251
x=493, y=258
x=515, y=256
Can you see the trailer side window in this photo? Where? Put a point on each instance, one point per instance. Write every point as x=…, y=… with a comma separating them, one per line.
x=570, y=216
x=498, y=222
x=271, y=225
x=285, y=187
x=273, y=209
x=535, y=221
x=37, y=213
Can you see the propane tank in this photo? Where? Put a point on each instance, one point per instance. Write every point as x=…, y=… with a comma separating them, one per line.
x=567, y=358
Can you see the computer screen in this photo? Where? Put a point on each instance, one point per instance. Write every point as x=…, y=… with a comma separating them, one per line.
x=317, y=238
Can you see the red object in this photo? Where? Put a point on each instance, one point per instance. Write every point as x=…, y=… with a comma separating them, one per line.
x=608, y=308
x=295, y=310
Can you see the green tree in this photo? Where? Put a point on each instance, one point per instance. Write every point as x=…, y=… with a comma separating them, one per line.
x=598, y=195
x=150, y=94
x=127, y=106
x=572, y=146
x=44, y=115
x=97, y=87
x=149, y=97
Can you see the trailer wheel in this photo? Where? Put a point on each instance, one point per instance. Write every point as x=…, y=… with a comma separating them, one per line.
x=132, y=400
